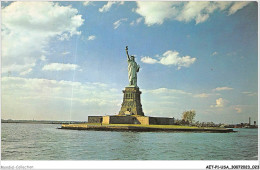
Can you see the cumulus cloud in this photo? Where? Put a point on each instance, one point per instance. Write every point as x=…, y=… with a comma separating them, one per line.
x=171, y=58
x=194, y=11
x=52, y=99
x=119, y=22
x=86, y=3
x=222, y=88
x=220, y=102
x=158, y=12
x=237, y=6
x=91, y=37
x=28, y=27
x=149, y=60
x=60, y=67
x=109, y=4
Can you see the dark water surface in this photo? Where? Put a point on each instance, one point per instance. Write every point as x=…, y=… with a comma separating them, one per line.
x=45, y=142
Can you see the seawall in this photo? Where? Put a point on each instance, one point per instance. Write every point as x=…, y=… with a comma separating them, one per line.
x=144, y=128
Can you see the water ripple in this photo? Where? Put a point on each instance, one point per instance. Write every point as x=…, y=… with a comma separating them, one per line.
x=45, y=142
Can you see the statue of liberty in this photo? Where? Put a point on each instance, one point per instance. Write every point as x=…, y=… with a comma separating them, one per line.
x=133, y=68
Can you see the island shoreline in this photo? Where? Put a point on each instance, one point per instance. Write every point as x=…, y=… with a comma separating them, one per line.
x=146, y=128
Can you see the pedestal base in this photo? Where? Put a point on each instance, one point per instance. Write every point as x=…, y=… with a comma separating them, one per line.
x=131, y=102
x=134, y=119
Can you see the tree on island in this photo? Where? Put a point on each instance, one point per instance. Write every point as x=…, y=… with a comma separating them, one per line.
x=189, y=116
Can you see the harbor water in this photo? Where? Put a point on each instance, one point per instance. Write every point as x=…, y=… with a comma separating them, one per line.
x=21, y=141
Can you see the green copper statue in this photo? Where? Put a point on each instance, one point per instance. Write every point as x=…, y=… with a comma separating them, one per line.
x=133, y=68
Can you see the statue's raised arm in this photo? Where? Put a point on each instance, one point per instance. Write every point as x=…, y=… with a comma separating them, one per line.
x=126, y=49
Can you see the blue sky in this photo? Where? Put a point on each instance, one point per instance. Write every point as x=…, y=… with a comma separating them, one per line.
x=66, y=60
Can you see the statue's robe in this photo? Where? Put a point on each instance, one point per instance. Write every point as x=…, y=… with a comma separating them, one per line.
x=133, y=68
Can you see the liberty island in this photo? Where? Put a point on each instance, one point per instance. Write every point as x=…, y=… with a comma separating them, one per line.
x=131, y=116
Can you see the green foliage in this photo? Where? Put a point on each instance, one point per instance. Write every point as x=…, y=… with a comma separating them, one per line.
x=188, y=116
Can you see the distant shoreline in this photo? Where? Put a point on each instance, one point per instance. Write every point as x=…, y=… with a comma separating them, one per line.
x=83, y=122
x=42, y=121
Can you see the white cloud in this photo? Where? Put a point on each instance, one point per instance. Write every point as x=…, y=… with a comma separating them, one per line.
x=202, y=95
x=201, y=18
x=136, y=22
x=149, y=60
x=91, y=37
x=26, y=72
x=43, y=58
x=238, y=109
x=166, y=101
x=17, y=68
x=194, y=11
x=222, y=88
x=162, y=91
x=222, y=5
x=214, y=53
x=249, y=93
x=65, y=53
x=132, y=23
x=220, y=102
x=205, y=95
x=86, y=3
x=158, y=12
x=171, y=58
x=231, y=53
x=60, y=67
x=52, y=99
x=119, y=22
x=109, y=4
x=28, y=27
x=64, y=36
x=237, y=6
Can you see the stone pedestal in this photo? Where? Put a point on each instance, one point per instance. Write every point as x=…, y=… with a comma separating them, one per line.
x=131, y=102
